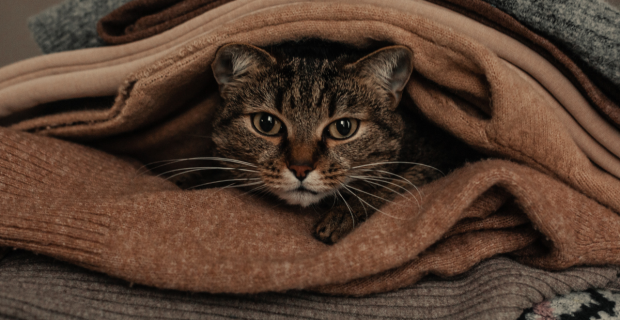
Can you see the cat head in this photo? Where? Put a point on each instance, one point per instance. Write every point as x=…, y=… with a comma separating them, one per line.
x=306, y=118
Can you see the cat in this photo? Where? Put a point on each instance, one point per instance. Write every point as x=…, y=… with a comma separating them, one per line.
x=315, y=122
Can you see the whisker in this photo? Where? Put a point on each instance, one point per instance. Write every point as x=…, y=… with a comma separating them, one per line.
x=147, y=169
x=401, y=178
x=360, y=199
x=380, y=179
x=251, y=190
x=220, y=189
x=369, y=180
x=399, y=162
x=172, y=161
x=393, y=217
x=345, y=202
x=257, y=189
x=228, y=180
x=220, y=159
x=243, y=185
x=370, y=194
x=262, y=191
x=194, y=169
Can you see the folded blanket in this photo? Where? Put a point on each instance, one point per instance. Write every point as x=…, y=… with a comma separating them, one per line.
x=498, y=289
x=491, y=16
x=99, y=72
x=585, y=29
x=594, y=29
x=553, y=208
x=141, y=19
x=71, y=24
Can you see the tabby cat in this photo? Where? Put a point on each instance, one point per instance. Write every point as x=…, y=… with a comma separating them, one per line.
x=322, y=123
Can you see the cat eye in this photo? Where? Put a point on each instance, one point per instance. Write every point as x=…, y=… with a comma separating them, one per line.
x=343, y=128
x=266, y=124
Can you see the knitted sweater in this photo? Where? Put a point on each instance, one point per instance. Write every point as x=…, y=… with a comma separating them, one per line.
x=71, y=24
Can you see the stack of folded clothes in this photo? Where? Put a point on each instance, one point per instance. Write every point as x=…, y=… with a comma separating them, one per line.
x=496, y=239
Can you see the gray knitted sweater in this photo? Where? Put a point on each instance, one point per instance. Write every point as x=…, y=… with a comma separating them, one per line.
x=71, y=24
x=586, y=30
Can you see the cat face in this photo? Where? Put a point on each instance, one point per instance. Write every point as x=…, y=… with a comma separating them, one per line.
x=306, y=121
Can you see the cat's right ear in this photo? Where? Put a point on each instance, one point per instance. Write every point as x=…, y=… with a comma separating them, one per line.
x=236, y=62
x=388, y=69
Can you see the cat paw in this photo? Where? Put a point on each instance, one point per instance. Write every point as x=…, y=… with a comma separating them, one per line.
x=334, y=226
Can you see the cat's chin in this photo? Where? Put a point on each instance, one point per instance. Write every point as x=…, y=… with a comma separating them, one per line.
x=301, y=198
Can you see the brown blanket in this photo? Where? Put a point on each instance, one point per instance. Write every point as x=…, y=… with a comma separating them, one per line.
x=551, y=207
x=140, y=19
x=491, y=16
x=43, y=81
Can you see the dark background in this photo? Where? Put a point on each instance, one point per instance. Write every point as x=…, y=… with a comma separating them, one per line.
x=15, y=40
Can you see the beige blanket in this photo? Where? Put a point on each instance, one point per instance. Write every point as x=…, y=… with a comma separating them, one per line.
x=549, y=205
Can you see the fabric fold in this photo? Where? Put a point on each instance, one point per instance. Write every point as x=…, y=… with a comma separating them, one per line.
x=585, y=29
x=540, y=199
x=602, y=145
x=598, y=20
x=497, y=289
x=138, y=219
x=141, y=19
x=490, y=15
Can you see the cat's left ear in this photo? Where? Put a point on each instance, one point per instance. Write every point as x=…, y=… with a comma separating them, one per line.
x=237, y=62
x=389, y=68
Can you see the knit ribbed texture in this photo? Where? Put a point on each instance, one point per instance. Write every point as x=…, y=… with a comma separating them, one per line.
x=57, y=198
x=498, y=289
x=70, y=25
x=585, y=29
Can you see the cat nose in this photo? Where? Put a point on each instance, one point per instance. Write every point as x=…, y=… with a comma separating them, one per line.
x=300, y=171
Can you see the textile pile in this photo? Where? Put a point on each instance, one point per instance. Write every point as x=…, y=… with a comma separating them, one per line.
x=80, y=124
x=40, y=287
